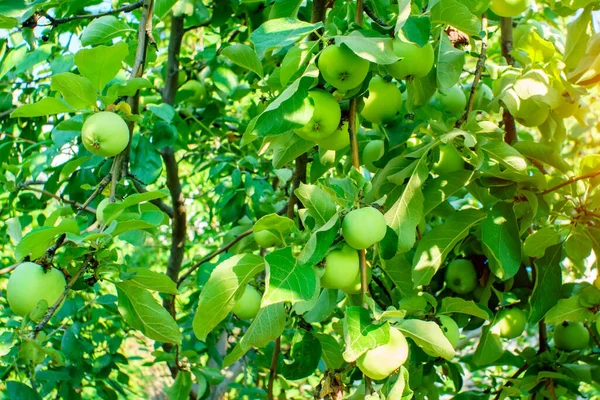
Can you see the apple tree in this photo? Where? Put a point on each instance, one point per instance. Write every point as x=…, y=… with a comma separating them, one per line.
x=363, y=199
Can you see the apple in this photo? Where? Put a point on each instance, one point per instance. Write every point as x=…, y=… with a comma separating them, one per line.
x=355, y=287
x=29, y=283
x=461, y=276
x=339, y=139
x=509, y=8
x=450, y=329
x=100, y=212
x=510, y=323
x=342, y=68
x=383, y=102
x=342, y=267
x=194, y=92
x=372, y=152
x=248, y=305
x=380, y=362
x=570, y=336
x=450, y=160
x=566, y=108
x=416, y=61
x=532, y=113
x=452, y=100
x=364, y=227
x=105, y=134
x=266, y=239
x=325, y=119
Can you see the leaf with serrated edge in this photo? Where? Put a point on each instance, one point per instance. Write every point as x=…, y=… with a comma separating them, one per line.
x=287, y=281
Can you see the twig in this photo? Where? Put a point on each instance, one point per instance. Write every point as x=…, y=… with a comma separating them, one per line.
x=364, y=285
x=58, y=21
x=571, y=180
x=371, y=14
x=58, y=197
x=506, y=38
x=6, y=270
x=509, y=382
x=103, y=183
x=358, y=17
x=299, y=177
x=543, y=337
x=273, y=369
x=592, y=334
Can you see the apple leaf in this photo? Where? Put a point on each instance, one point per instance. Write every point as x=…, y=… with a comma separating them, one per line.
x=331, y=351
x=35, y=243
x=489, y=348
x=438, y=190
x=370, y=46
x=450, y=63
x=18, y=390
x=428, y=336
x=577, y=38
x=306, y=354
x=548, y=282
x=276, y=224
x=568, y=310
x=77, y=90
x=506, y=155
x=287, y=281
x=399, y=269
x=147, y=279
x=536, y=244
x=101, y=63
x=317, y=201
x=360, y=334
x=319, y=242
x=456, y=305
x=544, y=153
x=455, y=13
x=295, y=60
x=46, y=106
x=181, y=388
x=286, y=147
x=501, y=241
x=280, y=32
x=103, y=29
x=244, y=56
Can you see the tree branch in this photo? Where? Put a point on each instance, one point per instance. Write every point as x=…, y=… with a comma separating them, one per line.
x=571, y=180
x=299, y=177
x=543, y=337
x=273, y=369
x=58, y=197
x=507, y=38
x=127, y=8
x=509, y=382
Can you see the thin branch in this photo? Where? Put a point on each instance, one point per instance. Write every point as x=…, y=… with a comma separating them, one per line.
x=358, y=17
x=299, y=178
x=593, y=335
x=371, y=14
x=543, y=337
x=509, y=382
x=58, y=197
x=273, y=369
x=127, y=8
x=506, y=39
x=571, y=180
x=6, y=270
x=364, y=285
x=103, y=183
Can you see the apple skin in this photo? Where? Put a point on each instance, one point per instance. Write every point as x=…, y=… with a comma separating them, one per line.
x=450, y=329
x=28, y=284
x=510, y=323
x=355, y=287
x=195, y=93
x=266, y=239
x=452, y=100
x=509, y=8
x=450, y=160
x=105, y=134
x=100, y=212
x=383, y=102
x=339, y=139
x=364, y=227
x=372, y=152
x=342, y=68
x=382, y=361
x=461, y=276
x=325, y=119
x=416, y=61
x=342, y=267
x=248, y=305
x=571, y=336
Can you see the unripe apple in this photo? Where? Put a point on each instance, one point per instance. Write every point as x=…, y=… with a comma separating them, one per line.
x=566, y=108
x=342, y=68
x=248, y=305
x=342, y=267
x=570, y=336
x=461, y=276
x=416, y=61
x=509, y=8
x=450, y=329
x=194, y=92
x=383, y=102
x=100, y=212
x=325, y=119
x=510, y=323
x=339, y=139
x=29, y=283
x=266, y=239
x=452, y=100
x=355, y=287
x=364, y=227
x=105, y=134
x=372, y=152
x=450, y=160
x=532, y=113
x=380, y=362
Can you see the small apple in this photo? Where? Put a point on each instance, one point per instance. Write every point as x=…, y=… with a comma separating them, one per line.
x=248, y=305
x=452, y=100
x=29, y=283
x=337, y=140
x=372, y=152
x=566, y=108
x=100, y=212
x=325, y=119
x=461, y=276
x=364, y=227
x=342, y=68
x=510, y=323
x=380, y=362
x=266, y=239
x=450, y=160
x=383, y=102
x=105, y=134
x=509, y=8
x=355, y=287
x=194, y=92
x=416, y=61
x=450, y=329
x=342, y=267
x=570, y=336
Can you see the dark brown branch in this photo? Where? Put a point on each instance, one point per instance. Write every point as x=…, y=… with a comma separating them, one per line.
x=299, y=177
x=509, y=382
x=571, y=180
x=358, y=17
x=127, y=8
x=103, y=183
x=273, y=369
x=371, y=14
x=543, y=337
x=58, y=197
x=506, y=39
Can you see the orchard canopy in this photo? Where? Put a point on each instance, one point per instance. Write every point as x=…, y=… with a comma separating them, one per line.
x=298, y=199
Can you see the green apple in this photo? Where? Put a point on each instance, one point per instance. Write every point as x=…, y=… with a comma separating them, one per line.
x=450, y=160
x=339, y=139
x=194, y=92
x=510, y=323
x=29, y=283
x=342, y=267
x=461, y=276
x=509, y=8
x=450, y=329
x=570, y=336
x=341, y=68
x=364, y=227
x=383, y=102
x=416, y=61
x=372, y=152
x=266, y=239
x=566, y=108
x=382, y=361
x=248, y=305
x=100, y=212
x=452, y=100
x=105, y=134
x=355, y=287
x=325, y=119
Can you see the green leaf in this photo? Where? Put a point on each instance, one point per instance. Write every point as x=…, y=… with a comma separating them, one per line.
x=360, y=334
x=162, y=8
x=103, y=29
x=276, y=224
x=578, y=37
x=35, y=243
x=501, y=241
x=287, y=281
x=438, y=190
x=437, y=243
x=548, y=282
x=428, y=336
x=101, y=63
x=399, y=269
x=505, y=155
x=151, y=280
x=400, y=386
x=287, y=147
x=568, y=310
x=130, y=88
x=331, y=351
x=77, y=90
x=146, y=163
x=163, y=111
x=543, y=153
x=322, y=307
x=46, y=106
x=450, y=63
x=20, y=391
x=13, y=58
x=456, y=305
x=267, y=326
x=370, y=46
x=295, y=60
x=225, y=286
x=285, y=8
x=281, y=32
x=489, y=348
x=181, y=387
x=317, y=201
x=319, y=242
x=306, y=355
x=156, y=322
x=455, y=13
x=244, y=56
x=8, y=22
x=536, y=244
